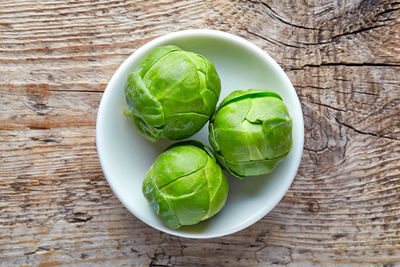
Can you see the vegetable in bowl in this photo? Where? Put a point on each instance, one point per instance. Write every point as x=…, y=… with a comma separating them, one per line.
x=251, y=132
x=185, y=185
x=172, y=93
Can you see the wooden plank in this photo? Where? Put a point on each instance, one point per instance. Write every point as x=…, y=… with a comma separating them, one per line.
x=56, y=207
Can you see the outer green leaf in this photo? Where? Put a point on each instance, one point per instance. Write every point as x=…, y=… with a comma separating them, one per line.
x=221, y=161
x=142, y=102
x=217, y=187
x=209, y=101
x=232, y=144
x=159, y=203
x=251, y=93
x=278, y=134
x=211, y=137
x=143, y=108
x=253, y=168
x=189, y=197
x=176, y=162
x=152, y=134
x=182, y=105
x=231, y=116
x=255, y=141
x=155, y=55
x=196, y=59
x=182, y=125
x=168, y=83
x=173, y=74
x=185, y=185
x=212, y=79
x=251, y=131
x=264, y=108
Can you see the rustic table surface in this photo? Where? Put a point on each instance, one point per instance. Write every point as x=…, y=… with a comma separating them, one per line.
x=343, y=58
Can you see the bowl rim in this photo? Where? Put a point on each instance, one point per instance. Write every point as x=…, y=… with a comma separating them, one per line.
x=141, y=51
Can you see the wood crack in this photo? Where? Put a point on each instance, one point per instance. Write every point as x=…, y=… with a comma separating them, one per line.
x=272, y=41
x=76, y=91
x=328, y=106
x=354, y=64
x=39, y=249
x=364, y=132
x=277, y=16
x=79, y=217
x=315, y=150
x=386, y=11
x=357, y=31
x=348, y=64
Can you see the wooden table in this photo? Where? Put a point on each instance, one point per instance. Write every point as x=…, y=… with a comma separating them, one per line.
x=343, y=58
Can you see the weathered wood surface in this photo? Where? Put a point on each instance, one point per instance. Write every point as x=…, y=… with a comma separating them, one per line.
x=343, y=58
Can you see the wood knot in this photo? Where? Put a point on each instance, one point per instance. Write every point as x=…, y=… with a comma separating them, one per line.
x=339, y=235
x=316, y=136
x=37, y=97
x=79, y=217
x=313, y=206
x=324, y=141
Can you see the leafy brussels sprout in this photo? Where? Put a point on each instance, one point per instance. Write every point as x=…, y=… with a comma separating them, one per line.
x=185, y=185
x=251, y=132
x=172, y=93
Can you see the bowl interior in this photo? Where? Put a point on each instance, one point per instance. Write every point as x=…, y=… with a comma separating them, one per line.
x=126, y=156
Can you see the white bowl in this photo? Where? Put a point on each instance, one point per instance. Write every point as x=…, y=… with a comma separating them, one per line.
x=125, y=156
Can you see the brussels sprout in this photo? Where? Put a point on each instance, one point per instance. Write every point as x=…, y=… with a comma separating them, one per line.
x=251, y=132
x=172, y=93
x=185, y=185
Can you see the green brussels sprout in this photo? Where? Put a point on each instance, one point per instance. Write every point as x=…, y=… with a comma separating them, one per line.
x=185, y=185
x=251, y=132
x=172, y=93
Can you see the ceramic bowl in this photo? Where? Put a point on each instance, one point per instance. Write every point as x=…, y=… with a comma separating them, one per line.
x=125, y=156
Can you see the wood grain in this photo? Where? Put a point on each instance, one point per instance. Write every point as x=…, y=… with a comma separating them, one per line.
x=343, y=58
